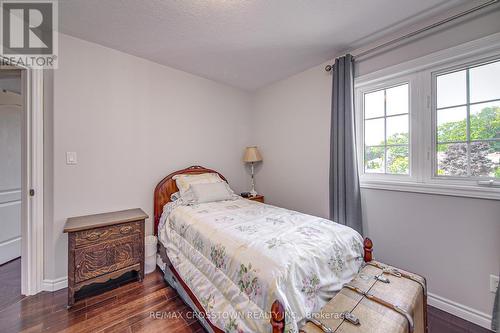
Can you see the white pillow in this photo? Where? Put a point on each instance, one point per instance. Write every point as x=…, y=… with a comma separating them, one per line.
x=210, y=192
x=184, y=181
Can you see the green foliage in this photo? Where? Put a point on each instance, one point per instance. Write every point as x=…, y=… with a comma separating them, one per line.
x=397, y=160
x=398, y=139
x=374, y=158
x=399, y=165
x=483, y=125
x=374, y=165
x=452, y=131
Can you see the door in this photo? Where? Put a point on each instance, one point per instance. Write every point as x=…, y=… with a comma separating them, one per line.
x=10, y=167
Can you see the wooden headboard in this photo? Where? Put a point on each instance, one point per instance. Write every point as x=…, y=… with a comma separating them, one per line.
x=167, y=186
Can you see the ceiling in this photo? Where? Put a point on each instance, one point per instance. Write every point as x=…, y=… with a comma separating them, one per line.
x=242, y=43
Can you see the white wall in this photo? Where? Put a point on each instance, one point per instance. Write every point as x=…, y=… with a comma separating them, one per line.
x=454, y=242
x=469, y=28
x=291, y=126
x=132, y=122
x=10, y=173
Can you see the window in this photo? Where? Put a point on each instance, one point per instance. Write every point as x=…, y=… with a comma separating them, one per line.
x=467, y=127
x=386, y=131
x=432, y=125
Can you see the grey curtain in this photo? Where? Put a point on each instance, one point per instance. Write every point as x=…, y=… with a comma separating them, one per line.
x=345, y=196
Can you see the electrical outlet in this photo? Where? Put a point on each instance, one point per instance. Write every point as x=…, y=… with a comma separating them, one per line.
x=71, y=158
x=493, y=283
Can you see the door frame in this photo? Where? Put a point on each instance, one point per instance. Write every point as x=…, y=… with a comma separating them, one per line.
x=32, y=226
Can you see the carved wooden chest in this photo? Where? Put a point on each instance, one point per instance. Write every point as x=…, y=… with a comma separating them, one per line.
x=103, y=247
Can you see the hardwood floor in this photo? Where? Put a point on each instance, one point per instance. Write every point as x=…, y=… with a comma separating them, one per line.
x=139, y=307
x=440, y=321
x=127, y=308
x=10, y=286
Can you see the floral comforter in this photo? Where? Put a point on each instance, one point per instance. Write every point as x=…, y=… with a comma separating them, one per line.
x=239, y=256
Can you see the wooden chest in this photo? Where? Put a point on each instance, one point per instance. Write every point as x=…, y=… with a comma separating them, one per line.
x=381, y=299
x=103, y=247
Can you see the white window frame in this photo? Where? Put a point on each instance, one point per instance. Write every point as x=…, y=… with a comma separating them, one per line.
x=363, y=90
x=444, y=70
x=421, y=75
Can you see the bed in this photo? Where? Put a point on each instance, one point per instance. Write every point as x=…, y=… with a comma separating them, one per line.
x=244, y=266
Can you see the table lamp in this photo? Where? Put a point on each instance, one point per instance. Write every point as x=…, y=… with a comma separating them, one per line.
x=251, y=156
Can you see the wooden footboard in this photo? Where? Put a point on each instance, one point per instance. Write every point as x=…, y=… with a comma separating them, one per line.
x=277, y=309
x=278, y=317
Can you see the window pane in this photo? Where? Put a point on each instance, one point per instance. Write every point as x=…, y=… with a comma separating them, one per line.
x=485, y=121
x=484, y=159
x=374, y=159
x=485, y=82
x=397, y=160
x=397, y=100
x=451, y=89
x=452, y=124
x=397, y=130
x=452, y=159
x=374, y=132
x=374, y=104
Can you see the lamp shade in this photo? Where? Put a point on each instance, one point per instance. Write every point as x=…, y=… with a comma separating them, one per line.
x=252, y=154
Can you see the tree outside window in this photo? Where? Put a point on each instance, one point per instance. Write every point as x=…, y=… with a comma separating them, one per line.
x=468, y=122
x=386, y=128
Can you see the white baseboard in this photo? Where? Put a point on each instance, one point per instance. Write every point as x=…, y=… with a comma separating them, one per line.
x=56, y=284
x=10, y=249
x=462, y=311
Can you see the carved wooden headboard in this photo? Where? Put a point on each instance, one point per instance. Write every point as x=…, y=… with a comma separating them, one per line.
x=167, y=186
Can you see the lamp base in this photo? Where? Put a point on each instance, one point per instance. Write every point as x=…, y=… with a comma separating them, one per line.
x=253, y=193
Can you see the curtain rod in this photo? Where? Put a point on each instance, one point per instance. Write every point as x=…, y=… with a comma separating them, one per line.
x=328, y=68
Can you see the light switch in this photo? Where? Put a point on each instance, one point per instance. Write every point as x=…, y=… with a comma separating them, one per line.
x=71, y=157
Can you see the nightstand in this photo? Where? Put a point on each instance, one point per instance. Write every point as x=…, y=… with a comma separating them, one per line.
x=103, y=247
x=258, y=197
